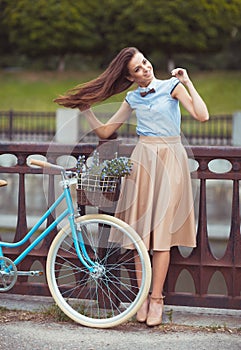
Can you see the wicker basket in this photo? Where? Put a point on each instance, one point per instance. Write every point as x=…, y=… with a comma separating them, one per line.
x=97, y=192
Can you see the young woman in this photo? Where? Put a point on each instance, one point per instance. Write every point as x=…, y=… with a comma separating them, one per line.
x=156, y=199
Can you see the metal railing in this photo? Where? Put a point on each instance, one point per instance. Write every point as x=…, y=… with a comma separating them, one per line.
x=200, y=264
x=27, y=126
x=218, y=130
x=41, y=126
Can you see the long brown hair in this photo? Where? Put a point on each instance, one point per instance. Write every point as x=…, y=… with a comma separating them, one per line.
x=112, y=81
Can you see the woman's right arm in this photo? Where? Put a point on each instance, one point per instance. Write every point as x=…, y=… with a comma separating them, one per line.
x=104, y=131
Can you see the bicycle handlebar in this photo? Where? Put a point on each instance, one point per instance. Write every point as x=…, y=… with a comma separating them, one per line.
x=44, y=164
x=3, y=183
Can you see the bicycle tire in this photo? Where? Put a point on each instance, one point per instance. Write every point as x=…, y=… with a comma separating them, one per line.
x=112, y=297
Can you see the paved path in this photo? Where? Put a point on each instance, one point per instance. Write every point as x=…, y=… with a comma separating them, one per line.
x=211, y=329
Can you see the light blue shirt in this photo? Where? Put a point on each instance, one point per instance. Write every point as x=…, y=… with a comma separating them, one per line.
x=158, y=113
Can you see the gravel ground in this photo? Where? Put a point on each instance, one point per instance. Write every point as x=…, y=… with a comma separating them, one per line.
x=26, y=326
x=32, y=335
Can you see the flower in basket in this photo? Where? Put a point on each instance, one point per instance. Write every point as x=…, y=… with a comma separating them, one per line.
x=103, y=175
x=118, y=167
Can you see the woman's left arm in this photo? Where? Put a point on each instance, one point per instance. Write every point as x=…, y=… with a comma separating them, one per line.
x=191, y=101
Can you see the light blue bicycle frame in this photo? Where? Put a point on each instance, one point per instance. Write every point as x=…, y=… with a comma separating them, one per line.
x=77, y=237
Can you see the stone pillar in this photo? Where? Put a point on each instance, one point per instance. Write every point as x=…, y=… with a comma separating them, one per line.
x=67, y=126
x=236, y=132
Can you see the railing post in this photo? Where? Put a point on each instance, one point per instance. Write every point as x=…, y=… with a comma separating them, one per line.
x=108, y=147
x=236, y=138
x=10, y=131
x=67, y=126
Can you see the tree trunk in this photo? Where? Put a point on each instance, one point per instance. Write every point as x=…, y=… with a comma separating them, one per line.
x=61, y=66
x=170, y=64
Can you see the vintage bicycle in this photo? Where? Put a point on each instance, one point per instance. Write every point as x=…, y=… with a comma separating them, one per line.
x=92, y=263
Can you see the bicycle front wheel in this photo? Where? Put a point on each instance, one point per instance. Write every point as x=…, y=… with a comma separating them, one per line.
x=111, y=292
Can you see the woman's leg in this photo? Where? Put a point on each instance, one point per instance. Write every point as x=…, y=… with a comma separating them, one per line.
x=142, y=312
x=160, y=264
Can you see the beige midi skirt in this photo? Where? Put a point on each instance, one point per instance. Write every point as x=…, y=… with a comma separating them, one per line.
x=156, y=199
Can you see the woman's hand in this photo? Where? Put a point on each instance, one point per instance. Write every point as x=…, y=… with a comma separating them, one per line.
x=84, y=108
x=181, y=74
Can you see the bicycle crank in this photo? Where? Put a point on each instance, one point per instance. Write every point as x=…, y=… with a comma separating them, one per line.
x=8, y=274
x=30, y=273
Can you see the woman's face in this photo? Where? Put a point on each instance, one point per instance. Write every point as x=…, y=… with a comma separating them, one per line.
x=140, y=70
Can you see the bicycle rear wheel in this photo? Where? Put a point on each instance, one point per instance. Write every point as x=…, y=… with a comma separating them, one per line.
x=110, y=295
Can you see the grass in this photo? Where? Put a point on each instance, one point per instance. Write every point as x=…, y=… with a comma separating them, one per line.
x=56, y=313
x=221, y=91
x=35, y=91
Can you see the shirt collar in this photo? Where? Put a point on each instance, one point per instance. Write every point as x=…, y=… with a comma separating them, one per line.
x=152, y=84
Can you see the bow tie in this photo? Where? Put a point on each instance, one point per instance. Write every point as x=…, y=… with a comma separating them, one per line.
x=144, y=93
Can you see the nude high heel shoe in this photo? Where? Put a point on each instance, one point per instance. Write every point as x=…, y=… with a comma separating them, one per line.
x=142, y=312
x=154, y=317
